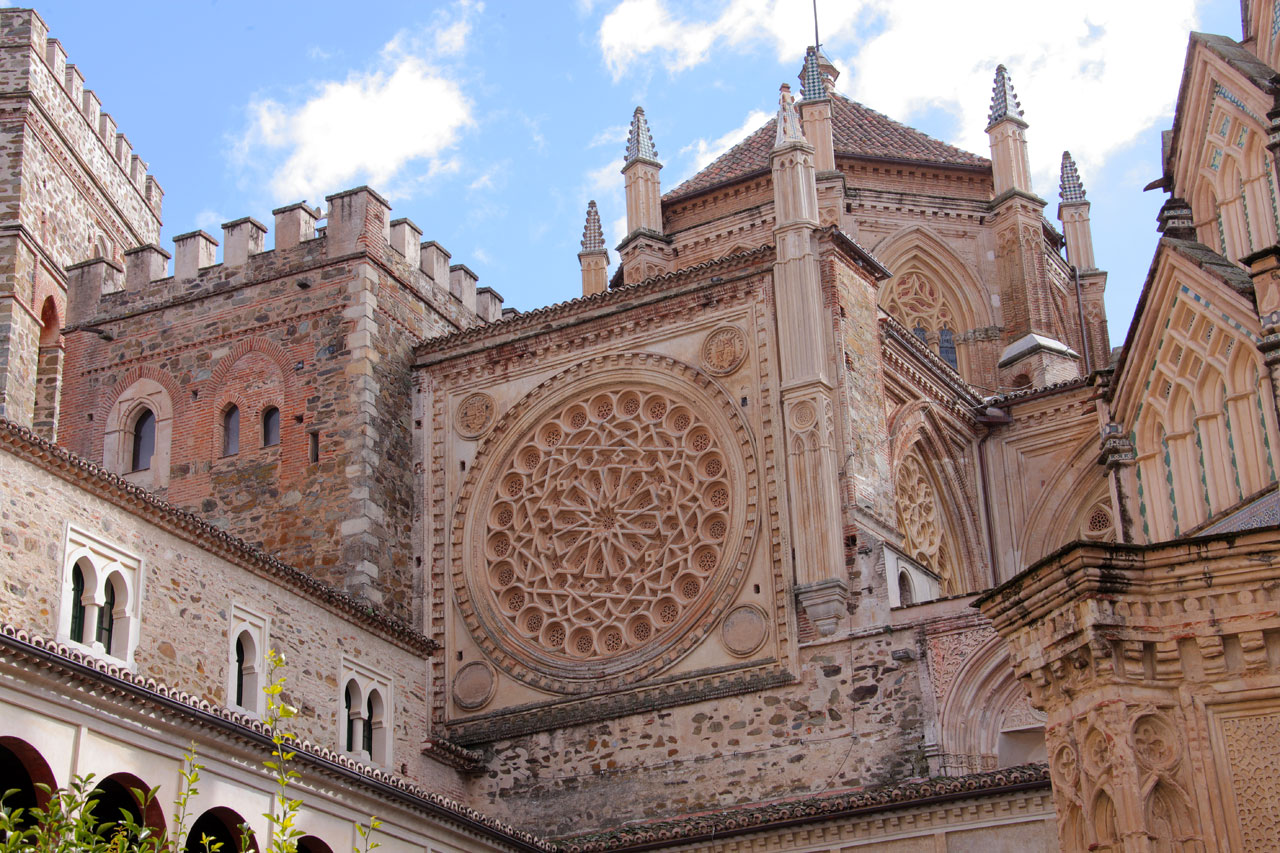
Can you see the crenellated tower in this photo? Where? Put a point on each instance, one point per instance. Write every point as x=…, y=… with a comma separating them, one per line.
x=77, y=192
x=1034, y=352
x=645, y=251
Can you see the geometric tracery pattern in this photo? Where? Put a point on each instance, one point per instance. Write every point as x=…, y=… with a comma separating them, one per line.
x=607, y=524
x=920, y=519
x=915, y=302
x=1253, y=754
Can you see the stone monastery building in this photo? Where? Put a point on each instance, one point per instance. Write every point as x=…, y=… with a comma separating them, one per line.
x=831, y=522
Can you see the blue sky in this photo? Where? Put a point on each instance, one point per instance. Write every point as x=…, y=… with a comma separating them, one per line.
x=491, y=124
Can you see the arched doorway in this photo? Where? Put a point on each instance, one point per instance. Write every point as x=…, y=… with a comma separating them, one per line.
x=120, y=794
x=222, y=826
x=23, y=770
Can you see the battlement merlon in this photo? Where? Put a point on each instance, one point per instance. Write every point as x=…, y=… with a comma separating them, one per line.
x=25, y=27
x=357, y=223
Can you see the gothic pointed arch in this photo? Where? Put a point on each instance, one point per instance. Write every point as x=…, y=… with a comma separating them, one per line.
x=1075, y=503
x=934, y=293
x=931, y=494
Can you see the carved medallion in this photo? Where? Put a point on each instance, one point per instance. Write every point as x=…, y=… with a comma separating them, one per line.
x=744, y=629
x=473, y=685
x=1065, y=768
x=724, y=350
x=474, y=415
x=803, y=415
x=607, y=527
x=1156, y=743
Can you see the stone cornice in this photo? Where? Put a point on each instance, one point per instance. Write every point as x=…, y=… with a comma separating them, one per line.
x=929, y=364
x=115, y=683
x=705, y=826
x=585, y=308
x=96, y=480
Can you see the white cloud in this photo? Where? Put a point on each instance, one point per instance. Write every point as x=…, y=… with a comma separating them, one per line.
x=1092, y=74
x=210, y=220
x=607, y=179
x=637, y=28
x=391, y=126
x=617, y=230
x=613, y=135
x=1091, y=77
x=705, y=151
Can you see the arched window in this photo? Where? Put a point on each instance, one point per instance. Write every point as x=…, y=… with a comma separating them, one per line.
x=271, y=427
x=375, y=727
x=905, y=595
x=77, y=603
x=144, y=441
x=231, y=431
x=240, y=670
x=107, y=615
x=245, y=685
x=352, y=706
x=921, y=333
x=947, y=347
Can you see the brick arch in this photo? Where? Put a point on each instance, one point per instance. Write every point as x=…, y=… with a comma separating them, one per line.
x=269, y=348
x=229, y=384
x=141, y=385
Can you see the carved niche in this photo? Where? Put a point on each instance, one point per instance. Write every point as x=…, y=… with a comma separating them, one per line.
x=605, y=526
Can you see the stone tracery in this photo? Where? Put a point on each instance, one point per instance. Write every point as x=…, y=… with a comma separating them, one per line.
x=920, y=517
x=605, y=529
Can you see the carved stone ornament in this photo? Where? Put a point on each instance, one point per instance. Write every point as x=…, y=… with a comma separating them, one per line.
x=1065, y=769
x=473, y=685
x=803, y=415
x=1156, y=743
x=605, y=527
x=744, y=629
x=724, y=350
x=475, y=414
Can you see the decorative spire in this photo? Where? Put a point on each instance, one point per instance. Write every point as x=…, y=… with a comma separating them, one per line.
x=818, y=76
x=592, y=233
x=640, y=140
x=788, y=119
x=1004, y=101
x=1070, y=189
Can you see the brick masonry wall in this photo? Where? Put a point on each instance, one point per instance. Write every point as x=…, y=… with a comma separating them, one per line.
x=327, y=341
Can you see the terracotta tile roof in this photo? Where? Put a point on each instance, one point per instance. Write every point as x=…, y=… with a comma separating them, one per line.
x=857, y=131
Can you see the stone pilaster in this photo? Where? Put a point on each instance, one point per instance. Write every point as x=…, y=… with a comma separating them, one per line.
x=804, y=335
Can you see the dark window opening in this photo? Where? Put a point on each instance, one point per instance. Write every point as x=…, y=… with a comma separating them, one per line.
x=107, y=616
x=231, y=431
x=919, y=332
x=240, y=671
x=313, y=446
x=271, y=427
x=77, y=604
x=367, y=728
x=947, y=348
x=351, y=722
x=144, y=441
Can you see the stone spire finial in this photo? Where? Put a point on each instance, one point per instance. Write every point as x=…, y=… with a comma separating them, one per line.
x=639, y=140
x=788, y=118
x=592, y=233
x=1070, y=189
x=1004, y=101
x=818, y=76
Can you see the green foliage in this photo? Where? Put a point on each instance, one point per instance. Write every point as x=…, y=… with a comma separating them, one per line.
x=68, y=821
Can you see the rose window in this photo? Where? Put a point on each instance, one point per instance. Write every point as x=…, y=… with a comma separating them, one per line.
x=608, y=524
x=606, y=527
